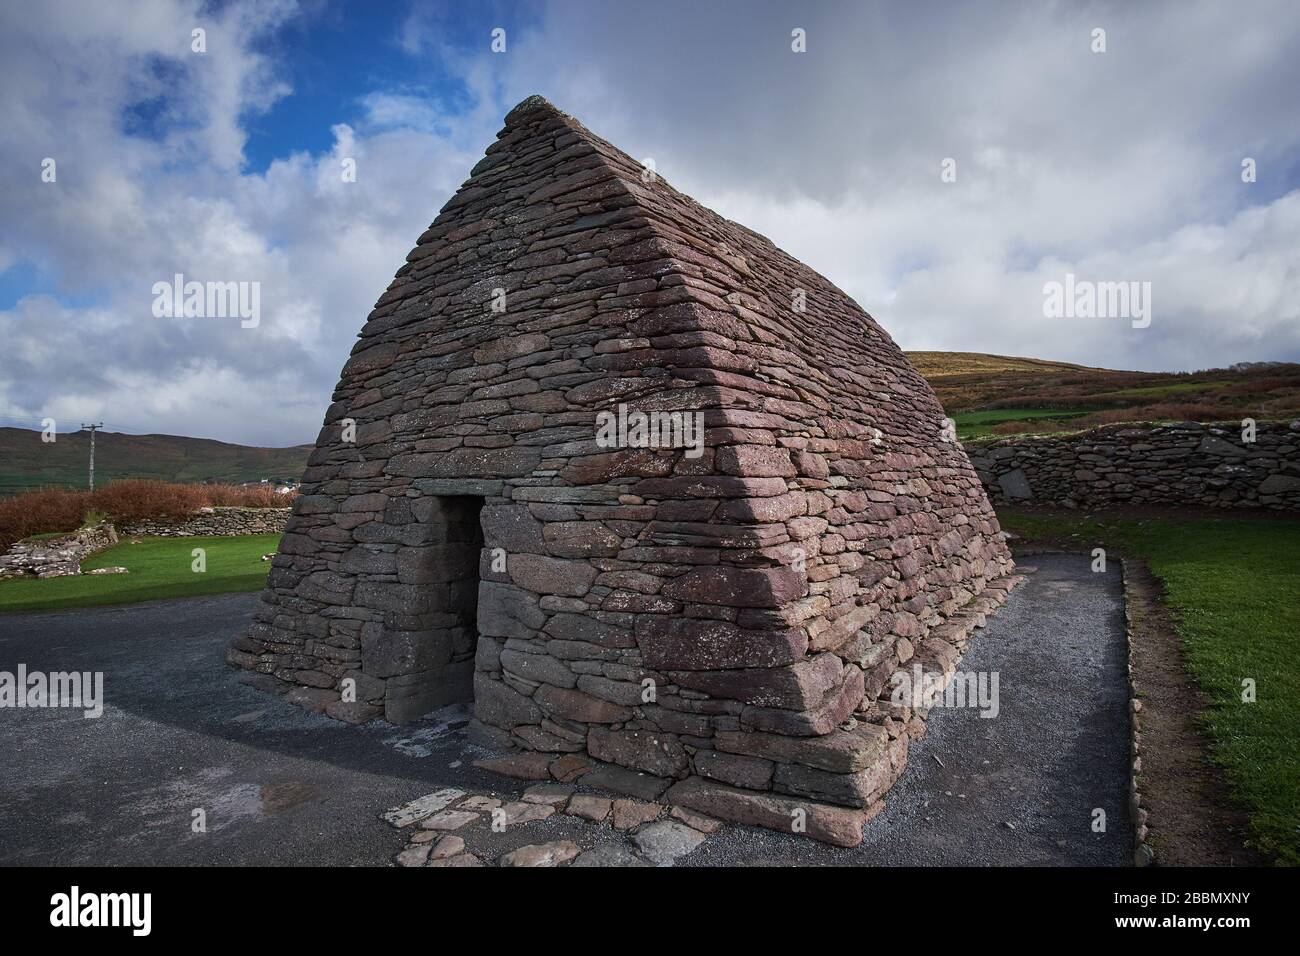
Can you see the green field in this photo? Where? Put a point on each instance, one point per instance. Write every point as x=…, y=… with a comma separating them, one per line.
x=1233, y=583
x=158, y=568
x=979, y=424
x=1160, y=391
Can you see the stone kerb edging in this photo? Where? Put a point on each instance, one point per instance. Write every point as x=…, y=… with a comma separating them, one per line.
x=1143, y=852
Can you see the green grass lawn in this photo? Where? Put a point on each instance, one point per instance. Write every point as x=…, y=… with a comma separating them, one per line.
x=1234, y=586
x=159, y=568
x=978, y=424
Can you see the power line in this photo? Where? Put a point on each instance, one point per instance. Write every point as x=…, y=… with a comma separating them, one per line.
x=39, y=424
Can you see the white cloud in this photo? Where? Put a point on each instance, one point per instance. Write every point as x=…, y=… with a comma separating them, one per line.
x=128, y=211
x=1117, y=166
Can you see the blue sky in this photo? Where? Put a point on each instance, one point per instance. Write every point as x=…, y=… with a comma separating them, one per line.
x=330, y=55
x=339, y=50
x=1114, y=166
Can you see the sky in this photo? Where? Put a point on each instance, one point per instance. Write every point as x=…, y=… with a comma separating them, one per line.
x=942, y=163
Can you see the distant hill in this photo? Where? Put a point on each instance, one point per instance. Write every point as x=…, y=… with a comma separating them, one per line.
x=941, y=365
x=27, y=462
x=985, y=394
x=1005, y=395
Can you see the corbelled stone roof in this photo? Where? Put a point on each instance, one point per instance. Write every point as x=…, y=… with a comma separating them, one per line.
x=463, y=533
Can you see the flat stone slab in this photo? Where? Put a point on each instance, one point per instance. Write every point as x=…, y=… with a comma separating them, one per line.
x=838, y=826
x=425, y=806
x=663, y=842
x=569, y=767
x=448, y=846
x=448, y=820
x=589, y=807
x=629, y=814
x=513, y=814
x=617, y=780
x=414, y=855
x=529, y=766
x=696, y=821
x=551, y=794
x=542, y=854
x=610, y=854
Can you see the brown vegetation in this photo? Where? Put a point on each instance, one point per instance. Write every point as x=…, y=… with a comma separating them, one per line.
x=967, y=382
x=52, y=510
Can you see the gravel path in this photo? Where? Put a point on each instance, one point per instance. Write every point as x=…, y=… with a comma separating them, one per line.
x=282, y=786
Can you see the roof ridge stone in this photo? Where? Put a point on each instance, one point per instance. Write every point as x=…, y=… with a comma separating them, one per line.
x=531, y=104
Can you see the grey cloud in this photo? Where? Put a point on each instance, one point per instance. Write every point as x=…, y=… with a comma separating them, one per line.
x=1116, y=166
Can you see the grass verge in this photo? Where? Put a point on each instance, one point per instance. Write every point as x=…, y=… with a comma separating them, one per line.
x=158, y=568
x=1233, y=583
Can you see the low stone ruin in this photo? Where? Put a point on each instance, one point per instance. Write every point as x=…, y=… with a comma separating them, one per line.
x=56, y=557
x=664, y=504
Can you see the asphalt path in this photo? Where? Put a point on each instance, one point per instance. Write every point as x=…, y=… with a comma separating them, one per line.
x=183, y=742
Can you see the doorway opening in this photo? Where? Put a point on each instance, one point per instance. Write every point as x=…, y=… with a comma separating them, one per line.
x=446, y=562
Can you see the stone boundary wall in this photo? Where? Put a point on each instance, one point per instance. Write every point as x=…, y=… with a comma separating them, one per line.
x=219, y=522
x=1188, y=464
x=56, y=557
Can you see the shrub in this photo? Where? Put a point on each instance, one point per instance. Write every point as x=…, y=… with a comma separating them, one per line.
x=38, y=512
x=53, y=509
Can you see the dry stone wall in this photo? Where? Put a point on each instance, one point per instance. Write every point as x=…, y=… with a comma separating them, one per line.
x=724, y=619
x=1185, y=464
x=219, y=522
x=56, y=557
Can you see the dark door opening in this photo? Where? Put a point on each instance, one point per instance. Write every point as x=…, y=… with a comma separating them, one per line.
x=447, y=563
x=463, y=549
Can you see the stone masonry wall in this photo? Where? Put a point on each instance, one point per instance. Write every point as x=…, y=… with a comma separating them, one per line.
x=726, y=624
x=1186, y=464
x=219, y=522
x=56, y=557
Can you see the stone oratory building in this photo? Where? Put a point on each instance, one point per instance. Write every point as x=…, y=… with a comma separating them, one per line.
x=715, y=613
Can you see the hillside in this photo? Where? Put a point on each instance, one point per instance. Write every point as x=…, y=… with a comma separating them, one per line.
x=944, y=365
x=985, y=394
x=27, y=462
x=1004, y=395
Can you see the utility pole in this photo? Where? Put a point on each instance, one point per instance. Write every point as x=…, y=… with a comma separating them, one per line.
x=91, y=429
